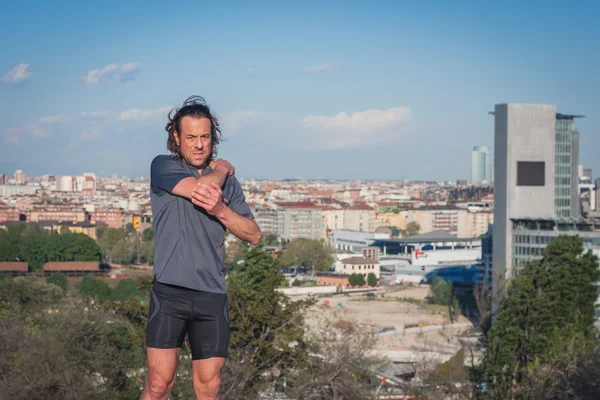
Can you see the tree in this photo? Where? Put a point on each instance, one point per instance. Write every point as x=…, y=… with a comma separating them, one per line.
x=372, y=279
x=311, y=253
x=272, y=240
x=59, y=279
x=267, y=329
x=122, y=253
x=85, y=287
x=28, y=293
x=125, y=289
x=550, y=303
x=63, y=350
x=442, y=293
x=148, y=234
x=7, y=251
x=101, y=290
x=412, y=229
x=360, y=280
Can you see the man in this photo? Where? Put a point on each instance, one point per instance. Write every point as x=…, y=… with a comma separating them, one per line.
x=195, y=199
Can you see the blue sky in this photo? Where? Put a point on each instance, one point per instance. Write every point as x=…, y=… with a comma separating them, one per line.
x=330, y=89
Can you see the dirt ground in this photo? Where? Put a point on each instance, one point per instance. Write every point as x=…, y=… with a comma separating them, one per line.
x=388, y=311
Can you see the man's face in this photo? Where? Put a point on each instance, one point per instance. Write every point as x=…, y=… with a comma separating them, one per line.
x=195, y=141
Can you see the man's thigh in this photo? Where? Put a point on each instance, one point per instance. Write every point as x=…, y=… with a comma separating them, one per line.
x=162, y=364
x=168, y=317
x=208, y=331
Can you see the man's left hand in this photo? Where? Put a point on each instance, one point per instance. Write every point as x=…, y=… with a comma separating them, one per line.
x=209, y=197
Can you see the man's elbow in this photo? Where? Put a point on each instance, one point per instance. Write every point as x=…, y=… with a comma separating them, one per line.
x=255, y=238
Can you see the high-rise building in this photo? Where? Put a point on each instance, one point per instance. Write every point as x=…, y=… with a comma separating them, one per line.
x=536, y=166
x=481, y=165
x=524, y=140
x=2, y=179
x=19, y=177
x=566, y=167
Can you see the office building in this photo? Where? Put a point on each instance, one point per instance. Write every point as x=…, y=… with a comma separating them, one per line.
x=566, y=167
x=524, y=139
x=481, y=165
x=536, y=193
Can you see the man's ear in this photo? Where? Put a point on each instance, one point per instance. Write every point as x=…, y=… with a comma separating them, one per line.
x=176, y=137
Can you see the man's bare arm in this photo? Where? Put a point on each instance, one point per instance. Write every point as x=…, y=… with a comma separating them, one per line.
x=210, y=198
x=243, y=228
x=221, y=170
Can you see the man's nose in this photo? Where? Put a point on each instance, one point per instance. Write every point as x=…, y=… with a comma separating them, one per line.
x=199, y=143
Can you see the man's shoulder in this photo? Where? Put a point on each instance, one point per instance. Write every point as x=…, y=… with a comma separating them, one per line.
x=163, y=160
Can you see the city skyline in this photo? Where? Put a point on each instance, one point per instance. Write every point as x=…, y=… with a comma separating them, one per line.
x=389, y=92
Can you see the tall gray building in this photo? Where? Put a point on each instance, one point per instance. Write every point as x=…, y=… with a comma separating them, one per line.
x=536, y=187
x=524, y=175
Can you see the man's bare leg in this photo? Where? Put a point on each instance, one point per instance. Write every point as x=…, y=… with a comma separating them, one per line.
x=207, y=378
x=162, y=370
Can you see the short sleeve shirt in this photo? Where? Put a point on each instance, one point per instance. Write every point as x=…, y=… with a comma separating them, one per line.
x=188, y=248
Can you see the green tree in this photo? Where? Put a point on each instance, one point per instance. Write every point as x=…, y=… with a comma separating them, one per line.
x=550, y=302
x=110, y=238
x=352, y=279
x=412, y=229
x=125, y=289
x=272, y=240
x=101, y=290
x=360, y=280
x=33, y=247
x=148, y=234
x=372, y=279
x=267, y=329
x=315, y=254
x=122, y=252
x=442, y=293
x=85, y=287
x=7, y=251
x=58, y=279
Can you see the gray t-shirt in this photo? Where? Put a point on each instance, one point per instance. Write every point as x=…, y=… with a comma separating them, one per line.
x=188, y=241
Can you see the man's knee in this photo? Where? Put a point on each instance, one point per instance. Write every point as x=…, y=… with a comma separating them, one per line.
x=208, y=388
x=159, y=387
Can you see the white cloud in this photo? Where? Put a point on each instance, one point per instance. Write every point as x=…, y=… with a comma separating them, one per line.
x=251, y=72
x=112, y=73
x=233, y=121
x=319, y=68
x=364, y=128
x=14, y=135
x=89, y=135
x=54, y=119
x=17, y=75
x=136, y=114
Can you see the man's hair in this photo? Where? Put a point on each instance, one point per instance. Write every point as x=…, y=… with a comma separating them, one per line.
x=195, y=107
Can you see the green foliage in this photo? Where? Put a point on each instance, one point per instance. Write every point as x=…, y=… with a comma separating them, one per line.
x=263, y=321
x=58, y=279
x=29, y=293
x=311, y=253
x=412, y=229
x=441, y=291
x=85, y=287
x=148, y=234
x=125, y=289
x=30, y=243
x=65, y=352
x=372, y=279
x=356, y=280
x=272, y=240
x=451, y=371
x=550, y=300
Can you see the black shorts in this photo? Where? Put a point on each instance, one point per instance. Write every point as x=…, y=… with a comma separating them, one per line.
x=176, y=311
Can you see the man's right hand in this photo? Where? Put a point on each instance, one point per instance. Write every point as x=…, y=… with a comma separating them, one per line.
x=223, y=164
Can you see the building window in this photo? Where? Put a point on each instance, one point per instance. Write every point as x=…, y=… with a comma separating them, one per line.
x=531, y=173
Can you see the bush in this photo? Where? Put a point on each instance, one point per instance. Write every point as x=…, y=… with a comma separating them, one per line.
x=85, y=287
x=372, y=279
x=125, y=289
x=59, y=279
